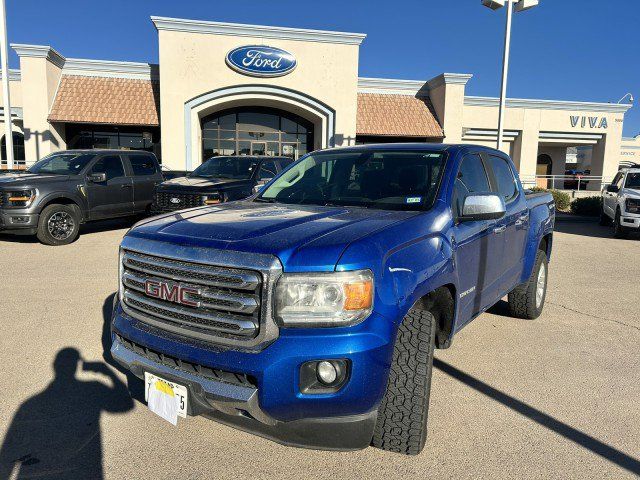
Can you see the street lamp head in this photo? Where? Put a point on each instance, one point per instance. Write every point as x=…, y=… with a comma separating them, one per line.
x=523, y=5
x=494, y=4
x=625, y=96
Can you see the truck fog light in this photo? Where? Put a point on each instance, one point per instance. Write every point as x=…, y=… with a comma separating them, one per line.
x=327, y=373
x=324, y=376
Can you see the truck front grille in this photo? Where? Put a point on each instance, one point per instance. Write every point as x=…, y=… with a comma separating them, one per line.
x=168, y=202
x=192, y=299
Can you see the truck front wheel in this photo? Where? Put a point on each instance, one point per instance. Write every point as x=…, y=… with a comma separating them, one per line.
x=527, y=300
x=58, y=225
x=402, y=416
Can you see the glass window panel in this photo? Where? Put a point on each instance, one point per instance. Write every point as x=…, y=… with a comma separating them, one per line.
x=209, y=148
x=227, y=148
x=105, y=140
x=227, y=134
x=302, y=129
x=110, y=165
x=258, y=121
x=289, y=125
x=289, y=137
x=212, y=123
x=131, y=140
x=142, y=165
x=244, y=148
x=209, y=133
x=273, y=149
x=228, y=122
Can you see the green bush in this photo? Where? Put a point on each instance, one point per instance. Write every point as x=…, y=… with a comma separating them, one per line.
x=587, y=206
x=562, y=199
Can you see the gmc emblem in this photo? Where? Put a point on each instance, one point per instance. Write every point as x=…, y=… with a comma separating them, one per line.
x=171, y=292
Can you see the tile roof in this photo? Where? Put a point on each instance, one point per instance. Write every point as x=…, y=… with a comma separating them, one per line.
x=121, y=101
x=396, y=115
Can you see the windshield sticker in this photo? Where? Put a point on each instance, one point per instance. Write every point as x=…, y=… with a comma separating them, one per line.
x=414, y=199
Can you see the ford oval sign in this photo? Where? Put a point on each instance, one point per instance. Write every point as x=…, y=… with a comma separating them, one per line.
x=261, y=61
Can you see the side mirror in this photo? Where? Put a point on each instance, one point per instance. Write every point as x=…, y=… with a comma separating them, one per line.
x=482, y=206
x=97, y=177
x=613, y=189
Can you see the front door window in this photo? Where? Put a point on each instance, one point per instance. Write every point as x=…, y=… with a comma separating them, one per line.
x=258, y=148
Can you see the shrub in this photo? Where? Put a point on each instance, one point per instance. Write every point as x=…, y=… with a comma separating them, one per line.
x=587, y=206
x=562, y=199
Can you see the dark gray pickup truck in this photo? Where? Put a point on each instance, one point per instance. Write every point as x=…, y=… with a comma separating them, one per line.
x=65, y=189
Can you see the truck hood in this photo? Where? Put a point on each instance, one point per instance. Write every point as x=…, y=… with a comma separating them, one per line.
x=303, y=237
x=29, y=179
x=199, y=184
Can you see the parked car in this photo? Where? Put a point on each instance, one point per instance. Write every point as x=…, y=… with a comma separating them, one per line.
x=309, y=313
x=578, y=182
x=218, y=180
x=621, y=203
x=65, y=189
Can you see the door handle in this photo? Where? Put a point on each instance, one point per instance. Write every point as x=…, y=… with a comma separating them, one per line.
x=126, y=186
x=500, y=229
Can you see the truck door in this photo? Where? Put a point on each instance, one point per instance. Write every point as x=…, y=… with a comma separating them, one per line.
x=513, y=227
x=145, y=175
x=114, y=196
x=610, y=199
x=476, y=247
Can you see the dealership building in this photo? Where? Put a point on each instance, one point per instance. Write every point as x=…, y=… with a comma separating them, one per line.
x=203, y=99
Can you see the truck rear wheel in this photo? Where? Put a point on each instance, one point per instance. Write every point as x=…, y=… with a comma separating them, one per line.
x=58, y=225
x=527, y=300
x=402, y=416
x=604, y=218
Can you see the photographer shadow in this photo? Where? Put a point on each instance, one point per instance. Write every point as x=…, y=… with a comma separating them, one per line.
x=56, y=433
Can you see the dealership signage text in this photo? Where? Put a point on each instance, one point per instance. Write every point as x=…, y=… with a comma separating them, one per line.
x=592, y=122
x=261, y=61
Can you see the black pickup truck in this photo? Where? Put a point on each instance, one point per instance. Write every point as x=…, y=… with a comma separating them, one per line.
x=219, y=179
x=55, y=195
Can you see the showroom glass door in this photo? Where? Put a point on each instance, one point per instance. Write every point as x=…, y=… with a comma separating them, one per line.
x=256, y=131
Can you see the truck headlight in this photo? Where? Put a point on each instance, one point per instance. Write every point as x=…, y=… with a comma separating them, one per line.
x=324, y=299
x=213, y=198
x=632, y=205
x=20, y=198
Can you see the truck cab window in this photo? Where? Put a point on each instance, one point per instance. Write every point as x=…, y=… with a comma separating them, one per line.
x=110, y=165
x=471, y=178
x=267, y=170
x=142, y=165
x=506, y=182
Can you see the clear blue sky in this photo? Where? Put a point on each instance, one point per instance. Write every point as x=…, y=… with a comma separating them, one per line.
x=586, y=50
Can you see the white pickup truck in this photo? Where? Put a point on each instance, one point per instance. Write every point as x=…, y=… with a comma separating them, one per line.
x=621, y=203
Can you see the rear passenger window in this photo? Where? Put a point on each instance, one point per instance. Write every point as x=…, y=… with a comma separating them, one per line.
x=471, y=178
x=142, y=165
x=504, y=177
x=110, y=165
x=267, y=170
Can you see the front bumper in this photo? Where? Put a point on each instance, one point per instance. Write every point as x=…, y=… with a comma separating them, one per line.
x=19, y=221
x=629, y=221
x=275, y=408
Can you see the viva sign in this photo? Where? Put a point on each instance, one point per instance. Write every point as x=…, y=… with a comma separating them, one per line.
x=593, y=122
x=261, y=61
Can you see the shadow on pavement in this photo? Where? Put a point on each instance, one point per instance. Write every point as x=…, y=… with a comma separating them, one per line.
x=588, y=227
x=135, y=385
x=586, y=441
x=56, y=433
x=85, y=229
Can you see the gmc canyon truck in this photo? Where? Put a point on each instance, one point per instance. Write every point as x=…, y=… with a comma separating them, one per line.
x=309, y=313
x=58, y=193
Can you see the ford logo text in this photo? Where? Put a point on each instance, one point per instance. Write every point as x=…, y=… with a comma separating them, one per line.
x=261, y=61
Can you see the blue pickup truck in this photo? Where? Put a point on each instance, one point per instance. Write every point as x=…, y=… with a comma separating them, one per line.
x=309, y=313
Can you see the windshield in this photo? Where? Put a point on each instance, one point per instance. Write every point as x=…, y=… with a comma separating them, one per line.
x=62, y=163
x=398, y=180
x=240, y=168
x=633, y=180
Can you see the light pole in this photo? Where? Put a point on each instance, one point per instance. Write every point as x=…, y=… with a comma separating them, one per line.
x=625, y=96
x=520, y=5
x=4, y=53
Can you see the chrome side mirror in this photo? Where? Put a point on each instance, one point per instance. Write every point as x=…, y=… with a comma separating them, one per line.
x=482, y=206
x=98, y=177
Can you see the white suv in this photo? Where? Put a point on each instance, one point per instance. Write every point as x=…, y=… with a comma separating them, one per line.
x=621, y=202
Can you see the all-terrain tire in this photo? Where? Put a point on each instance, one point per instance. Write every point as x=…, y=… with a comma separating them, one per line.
x=401, y=425
x=523, y=301
x=69, y=224
x=618, y=230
